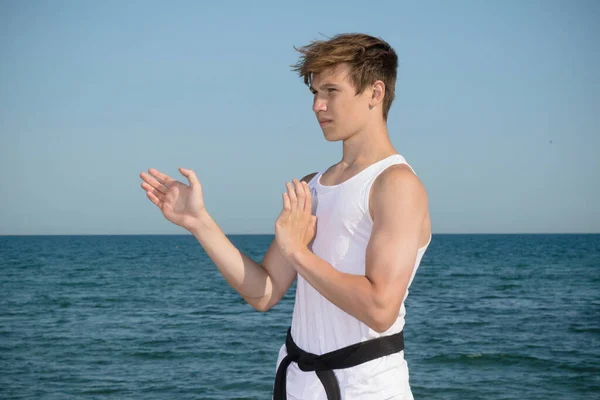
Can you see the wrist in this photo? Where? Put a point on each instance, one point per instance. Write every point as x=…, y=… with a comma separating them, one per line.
x=202, y=223
x=298, y=256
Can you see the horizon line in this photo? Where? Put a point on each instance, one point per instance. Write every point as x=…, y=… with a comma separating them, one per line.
x=272, y=234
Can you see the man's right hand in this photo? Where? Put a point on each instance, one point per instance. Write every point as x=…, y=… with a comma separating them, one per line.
x=181, y=204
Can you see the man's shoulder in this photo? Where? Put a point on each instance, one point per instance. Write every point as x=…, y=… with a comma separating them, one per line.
x=398, y=180
x=397, y=174
x=398, y=197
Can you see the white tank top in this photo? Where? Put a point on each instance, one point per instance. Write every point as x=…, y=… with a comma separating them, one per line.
x=344, y=227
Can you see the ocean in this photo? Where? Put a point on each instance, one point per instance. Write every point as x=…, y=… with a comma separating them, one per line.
x=493, y=317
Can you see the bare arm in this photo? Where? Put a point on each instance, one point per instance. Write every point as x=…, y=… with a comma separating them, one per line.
x=261, y=285
x=399, y=205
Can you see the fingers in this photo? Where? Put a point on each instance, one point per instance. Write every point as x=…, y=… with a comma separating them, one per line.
x=190, y=175
x=308, y=201
x=287, y=206
x=153, y=182
x=162, y=178
x=291, y=192
x=300, y=194
x=153, y=198
x=299, y=197
x=159, y=196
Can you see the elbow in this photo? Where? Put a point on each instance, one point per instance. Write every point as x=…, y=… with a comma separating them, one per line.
x=261, y=304
x=383, y=312
x=383, y=319
x=381, y=326
x=262, y=307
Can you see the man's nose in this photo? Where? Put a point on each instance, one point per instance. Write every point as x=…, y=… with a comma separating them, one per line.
x=319, y=105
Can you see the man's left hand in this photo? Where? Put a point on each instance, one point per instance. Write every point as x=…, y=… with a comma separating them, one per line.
x=296, y=226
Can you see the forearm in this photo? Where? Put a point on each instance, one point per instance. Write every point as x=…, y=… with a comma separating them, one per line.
x=354, y=294
x=246, y=276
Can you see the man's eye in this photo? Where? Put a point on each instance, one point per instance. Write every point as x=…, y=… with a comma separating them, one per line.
x=331, y=90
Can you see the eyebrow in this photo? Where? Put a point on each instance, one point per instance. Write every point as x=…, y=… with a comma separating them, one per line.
x=325, y=86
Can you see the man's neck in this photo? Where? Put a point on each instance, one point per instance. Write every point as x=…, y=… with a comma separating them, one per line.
x=366, y=147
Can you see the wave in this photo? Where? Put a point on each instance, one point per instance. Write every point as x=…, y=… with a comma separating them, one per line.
x=488, y=359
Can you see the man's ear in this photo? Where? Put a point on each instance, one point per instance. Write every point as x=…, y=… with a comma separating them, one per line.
x=377, y=93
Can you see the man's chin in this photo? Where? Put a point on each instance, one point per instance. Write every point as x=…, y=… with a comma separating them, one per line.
x=331, y=137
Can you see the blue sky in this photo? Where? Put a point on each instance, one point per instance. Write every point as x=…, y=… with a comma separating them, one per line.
x=497, y=109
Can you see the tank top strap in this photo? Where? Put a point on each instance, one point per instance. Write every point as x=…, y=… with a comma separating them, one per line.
x=315, y=178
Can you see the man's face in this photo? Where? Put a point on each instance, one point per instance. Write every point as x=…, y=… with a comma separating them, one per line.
x=339, y=110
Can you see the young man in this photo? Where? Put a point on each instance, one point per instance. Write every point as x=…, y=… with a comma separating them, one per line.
x=353, y=235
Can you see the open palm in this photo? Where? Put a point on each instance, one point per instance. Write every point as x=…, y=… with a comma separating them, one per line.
x=181, y=204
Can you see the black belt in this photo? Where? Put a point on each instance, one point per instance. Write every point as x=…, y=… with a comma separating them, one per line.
x=324, y=364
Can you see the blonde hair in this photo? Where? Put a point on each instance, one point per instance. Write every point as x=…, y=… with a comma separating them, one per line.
x=369, y=58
